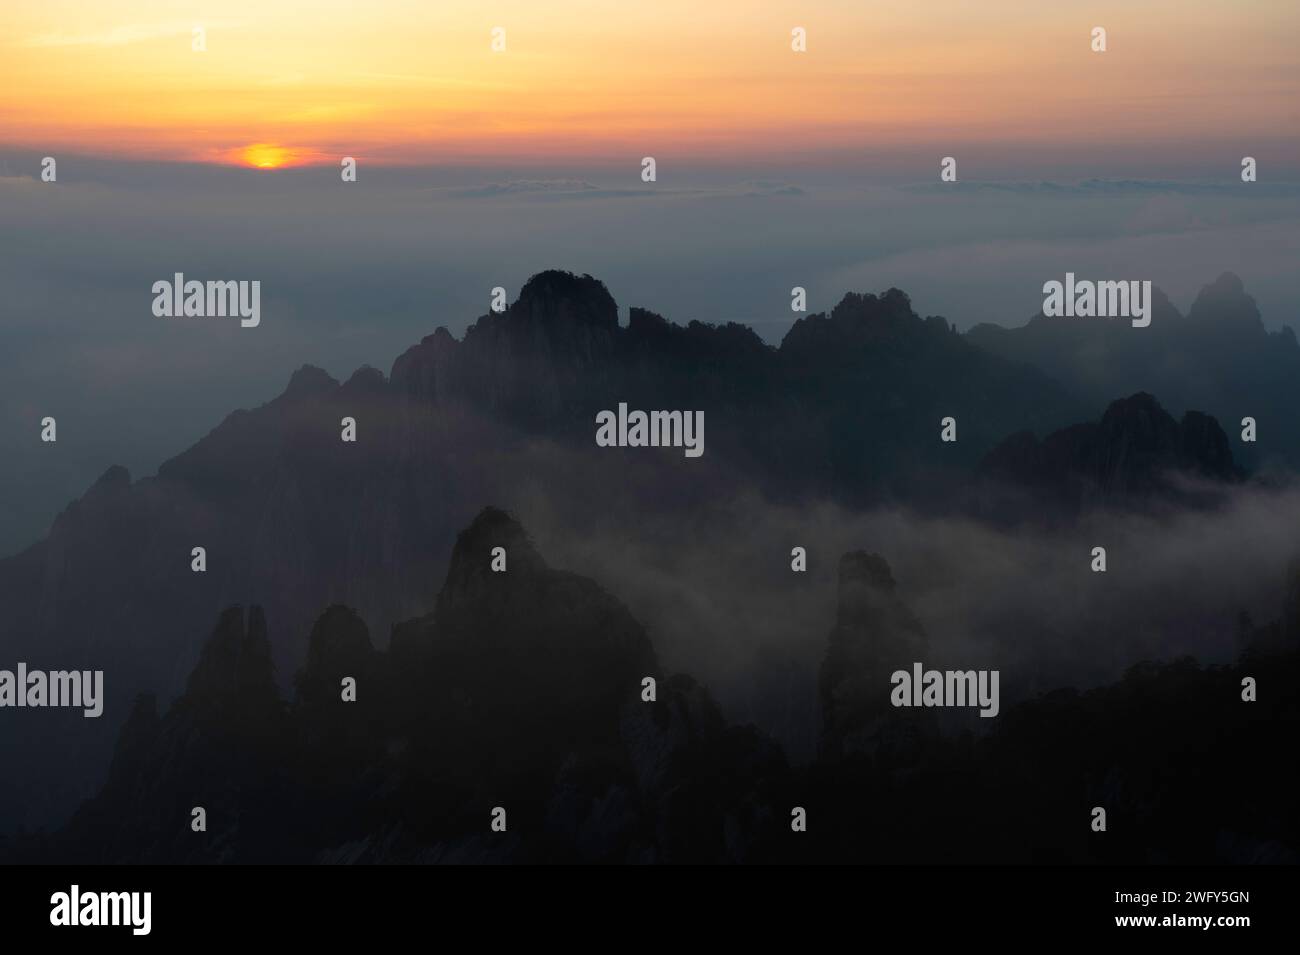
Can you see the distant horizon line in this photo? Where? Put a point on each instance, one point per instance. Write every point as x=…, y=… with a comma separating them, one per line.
x=900, y=173
x=1275, y=156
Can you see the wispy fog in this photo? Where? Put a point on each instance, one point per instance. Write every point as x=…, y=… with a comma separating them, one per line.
x=721, y=602
x=355, y=273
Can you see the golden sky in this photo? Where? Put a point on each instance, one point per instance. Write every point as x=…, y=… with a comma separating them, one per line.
x=285, y=81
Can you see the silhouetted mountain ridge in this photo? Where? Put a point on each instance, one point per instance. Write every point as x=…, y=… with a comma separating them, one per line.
x=1219, y=358
x=1135, y=454
x=292, y=518
x=526, y=694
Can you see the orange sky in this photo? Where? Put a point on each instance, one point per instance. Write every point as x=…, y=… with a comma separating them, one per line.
x=417, y=81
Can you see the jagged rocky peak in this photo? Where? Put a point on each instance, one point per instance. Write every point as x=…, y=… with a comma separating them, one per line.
x=1141, y=422
x=366, y=380
x=858, y=307
x=508, y=611
x=1205, y=449
x=114, y=479
x=1136, y=432
x=859, y=319
x=868, y=598
x=545, y=659
x=235, y=678
x=864, y=579
x=339, y=646
x=645, y=322
x=526, y=364
x=339, y=631
x=1129, y=451
x=1224, y=301
x=309, y=380
x=420, y=369
x=493, y=527
x=564, y=300
x=875, y=634
x=472, y=557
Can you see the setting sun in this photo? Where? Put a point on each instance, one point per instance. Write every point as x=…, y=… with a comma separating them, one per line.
x=137, y=78
x=266, y=156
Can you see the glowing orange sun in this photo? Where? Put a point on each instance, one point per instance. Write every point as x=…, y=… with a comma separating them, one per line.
x=266, y=156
